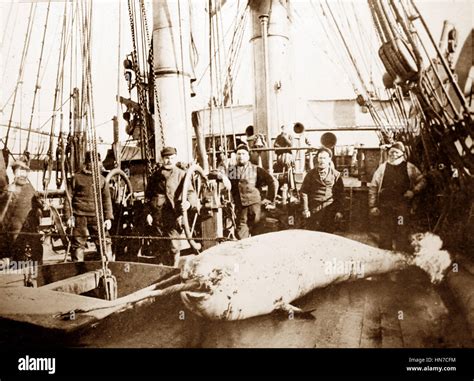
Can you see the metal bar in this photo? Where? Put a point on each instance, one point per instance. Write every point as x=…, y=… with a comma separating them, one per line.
x=264, y=21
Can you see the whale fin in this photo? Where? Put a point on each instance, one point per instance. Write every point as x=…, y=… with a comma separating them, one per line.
x=294, y=312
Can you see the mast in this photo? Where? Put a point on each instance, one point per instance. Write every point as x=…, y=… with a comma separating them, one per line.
x=172, y=69
x=270, y=41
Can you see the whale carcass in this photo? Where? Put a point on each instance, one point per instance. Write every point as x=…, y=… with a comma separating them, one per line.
x=264, y=273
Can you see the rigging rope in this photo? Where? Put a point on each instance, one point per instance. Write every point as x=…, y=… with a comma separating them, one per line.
x=92, y=140
x=182, y=77
x=10, y=43
x=153, y=79
x=141, y=92
x=59, y=83
x=367, y=100
x=37, y=86
x=218, y=67
x=211, y=102
x=24, y=54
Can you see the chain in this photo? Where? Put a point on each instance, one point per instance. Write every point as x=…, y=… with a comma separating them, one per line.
x=151, y=60
x=141, y=96
x=149, y=237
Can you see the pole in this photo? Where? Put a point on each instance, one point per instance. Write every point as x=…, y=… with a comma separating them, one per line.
x=264, y=23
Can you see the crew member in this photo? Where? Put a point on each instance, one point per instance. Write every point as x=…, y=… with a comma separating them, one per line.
x=322, y=194
x=393, y=186
x=247, y=179
x=83, y=218
x=164, y=206
x=20, y=218
x=255, y=140
x=284, y=158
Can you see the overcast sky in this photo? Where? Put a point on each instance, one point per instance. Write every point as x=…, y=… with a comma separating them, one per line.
x=318, y=73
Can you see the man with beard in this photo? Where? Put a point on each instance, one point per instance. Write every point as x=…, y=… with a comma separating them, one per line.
x=163, y=195
x=21, y=217
x=393, y=186
x=247, y=179
x=322, y=194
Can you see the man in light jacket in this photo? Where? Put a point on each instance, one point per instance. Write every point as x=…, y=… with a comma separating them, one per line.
x=393, y=186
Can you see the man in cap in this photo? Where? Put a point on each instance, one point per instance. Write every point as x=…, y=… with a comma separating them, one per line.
x=393, y=186
x=284, y=158
x=21, y=216
x=163, y=195
x=322, y=194
x=82, y=218
x=255, y=140
x=247, y=179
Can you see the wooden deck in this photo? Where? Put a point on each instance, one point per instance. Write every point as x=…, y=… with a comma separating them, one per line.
x=392, y=311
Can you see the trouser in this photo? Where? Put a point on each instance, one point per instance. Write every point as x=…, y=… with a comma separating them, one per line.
x=322, y=220
x=22, y=247
x=248, y=220
x=394, y=226
x=168, y=249
x=165, y=225
x=85, y=225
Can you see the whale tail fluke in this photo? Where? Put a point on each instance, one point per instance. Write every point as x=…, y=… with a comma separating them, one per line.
x=429, y=257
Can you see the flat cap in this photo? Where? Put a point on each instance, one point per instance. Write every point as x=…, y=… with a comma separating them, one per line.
x=20, y=164
x=243, y=146
x=168, y=151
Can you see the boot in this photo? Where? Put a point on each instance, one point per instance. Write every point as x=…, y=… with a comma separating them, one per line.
x=77, y=255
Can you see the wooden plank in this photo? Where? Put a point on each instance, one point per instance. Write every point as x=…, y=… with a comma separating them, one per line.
x=352, y=296
x=351, y=330
x=391, y=330
x=371, y=334
x=78, y=284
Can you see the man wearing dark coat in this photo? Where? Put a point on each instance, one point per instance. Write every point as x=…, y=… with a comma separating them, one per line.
x=83, y=219
x=163, y=195
x=393, y=186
